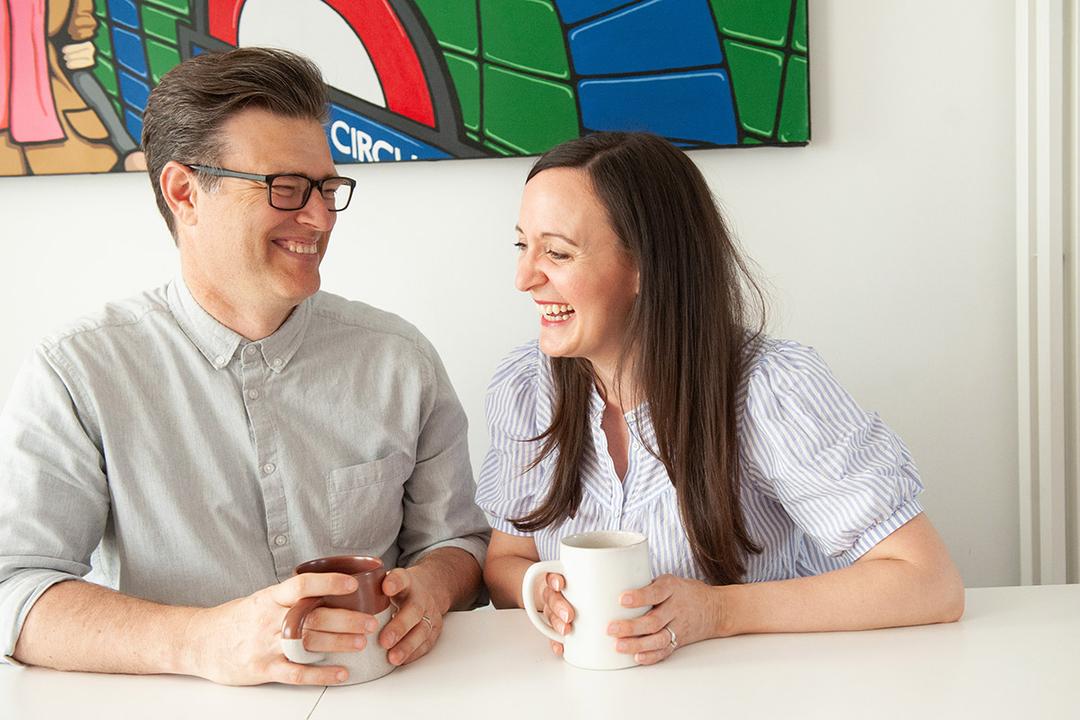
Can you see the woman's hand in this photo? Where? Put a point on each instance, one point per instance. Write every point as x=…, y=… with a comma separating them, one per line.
x=684, y=611
x=558, y=612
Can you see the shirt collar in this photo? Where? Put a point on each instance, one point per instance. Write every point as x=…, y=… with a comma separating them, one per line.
x=218, y=343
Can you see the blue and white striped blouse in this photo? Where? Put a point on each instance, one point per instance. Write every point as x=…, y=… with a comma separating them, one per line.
x=823, y=481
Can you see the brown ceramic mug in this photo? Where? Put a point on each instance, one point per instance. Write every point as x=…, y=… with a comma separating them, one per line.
x=363, y=665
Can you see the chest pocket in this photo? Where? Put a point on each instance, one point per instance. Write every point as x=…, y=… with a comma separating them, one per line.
x=365, y=504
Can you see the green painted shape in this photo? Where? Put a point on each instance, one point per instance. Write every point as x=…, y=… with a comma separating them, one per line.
x=159, y=24
x=453, y=23
x=162, y=58
x=755, y=76
x=751, y=141
x=795, y=112
x=527, y=114
x=798, y=34
x=498, y=148
x=472, y=136
x=465, y=73
x=106, y=75
x=762, y=21
x=102, y=41
x=101, y=8
x=525, y=35
x=117, y=106
x=182, y=7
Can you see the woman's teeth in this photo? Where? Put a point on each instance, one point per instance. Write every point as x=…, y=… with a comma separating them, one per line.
x=556, y=313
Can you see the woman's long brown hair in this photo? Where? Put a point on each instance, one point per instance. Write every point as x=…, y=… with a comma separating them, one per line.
x=689, y=340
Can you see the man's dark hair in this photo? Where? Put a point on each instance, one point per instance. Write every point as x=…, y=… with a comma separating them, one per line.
x=186, y=110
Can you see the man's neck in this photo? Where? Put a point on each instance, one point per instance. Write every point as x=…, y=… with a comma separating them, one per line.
x=253, y=322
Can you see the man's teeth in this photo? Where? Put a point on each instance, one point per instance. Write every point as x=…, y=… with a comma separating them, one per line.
x=303, y=248
x=556, y=312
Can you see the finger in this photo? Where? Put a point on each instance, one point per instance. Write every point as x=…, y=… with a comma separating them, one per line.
x=325, y=642
x=652, y=657
x=305, y=585
x=644, y=644
x=408, y=616
x=651, y=622
x=559, y=604
x=556, y=582
x=337, y=620
x=654, y=593
x=557, y=648
x=396, y=582
x=556, y=622
x=415, y=643
x=289, y=673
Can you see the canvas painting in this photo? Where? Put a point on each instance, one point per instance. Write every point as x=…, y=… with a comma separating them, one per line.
x=415, y=79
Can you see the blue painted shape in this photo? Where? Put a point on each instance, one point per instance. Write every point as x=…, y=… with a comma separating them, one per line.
x=571, y=11
x=124, y=12
x=693, y=106
x=133, y=121
x=133, y=92
x=355, y=138
x=650, y=36
x=128, y=51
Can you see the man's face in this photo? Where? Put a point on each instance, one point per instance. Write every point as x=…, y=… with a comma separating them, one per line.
x=240, y=252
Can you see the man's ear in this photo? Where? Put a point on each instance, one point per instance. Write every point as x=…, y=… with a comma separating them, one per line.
x=180, y=191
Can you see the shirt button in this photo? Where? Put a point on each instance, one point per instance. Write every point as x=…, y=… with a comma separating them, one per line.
x=268, y=468
x=280, y=540
x=219, y=360
x=253, y=394
x=278, y=362
x=251, y=351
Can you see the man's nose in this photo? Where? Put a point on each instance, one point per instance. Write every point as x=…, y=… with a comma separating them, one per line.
x=316, y=213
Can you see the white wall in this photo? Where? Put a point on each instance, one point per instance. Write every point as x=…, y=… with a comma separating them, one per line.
x=889, y=242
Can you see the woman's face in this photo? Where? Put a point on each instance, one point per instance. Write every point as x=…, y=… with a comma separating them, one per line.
x=573, y=265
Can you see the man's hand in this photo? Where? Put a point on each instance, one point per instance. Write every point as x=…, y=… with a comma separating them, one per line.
x=238, y=642
x=418, y=621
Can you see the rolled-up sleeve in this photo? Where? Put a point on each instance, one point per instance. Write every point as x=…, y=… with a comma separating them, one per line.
x=54, y=499
x=840, y=473
x=438, y=506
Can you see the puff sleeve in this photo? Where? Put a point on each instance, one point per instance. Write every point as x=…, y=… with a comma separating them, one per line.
x=844, y=478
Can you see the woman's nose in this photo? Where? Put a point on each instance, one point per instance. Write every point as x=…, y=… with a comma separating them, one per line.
x=528, y=275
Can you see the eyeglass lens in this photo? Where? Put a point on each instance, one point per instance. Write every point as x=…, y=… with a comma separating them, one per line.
x=287, y=192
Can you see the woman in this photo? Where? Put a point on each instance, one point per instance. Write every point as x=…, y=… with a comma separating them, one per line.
x=653, y=402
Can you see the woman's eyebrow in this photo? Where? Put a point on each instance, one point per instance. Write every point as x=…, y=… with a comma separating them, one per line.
x=553, y=235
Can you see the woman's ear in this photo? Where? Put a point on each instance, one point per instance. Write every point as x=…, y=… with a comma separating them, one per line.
x=180, y=191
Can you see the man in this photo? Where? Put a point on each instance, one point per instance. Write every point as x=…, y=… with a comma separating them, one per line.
x=202, y=439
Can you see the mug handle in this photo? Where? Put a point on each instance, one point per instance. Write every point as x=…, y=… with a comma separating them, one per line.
x=527, y=583
x=292, y=629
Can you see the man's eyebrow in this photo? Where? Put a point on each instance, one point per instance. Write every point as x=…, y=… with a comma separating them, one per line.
x=560, y=236
x=305, y=175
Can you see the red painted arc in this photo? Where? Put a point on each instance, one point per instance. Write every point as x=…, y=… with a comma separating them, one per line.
x=380, y=30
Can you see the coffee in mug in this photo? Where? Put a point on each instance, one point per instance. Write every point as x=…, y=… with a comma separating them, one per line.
x=363, y=665
x=598, y=568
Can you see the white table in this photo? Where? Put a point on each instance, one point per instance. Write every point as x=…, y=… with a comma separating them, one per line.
x=1015, y=654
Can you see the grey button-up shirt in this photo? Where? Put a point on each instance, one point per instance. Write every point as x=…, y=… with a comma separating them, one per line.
x=153, y=450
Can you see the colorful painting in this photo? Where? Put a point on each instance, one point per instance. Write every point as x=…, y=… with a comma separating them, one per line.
x=415, y=79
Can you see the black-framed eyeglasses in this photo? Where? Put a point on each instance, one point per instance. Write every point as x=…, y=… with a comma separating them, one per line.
x=289, y=191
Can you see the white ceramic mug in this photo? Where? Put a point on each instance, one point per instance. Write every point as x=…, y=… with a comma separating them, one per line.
x=598, y=568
